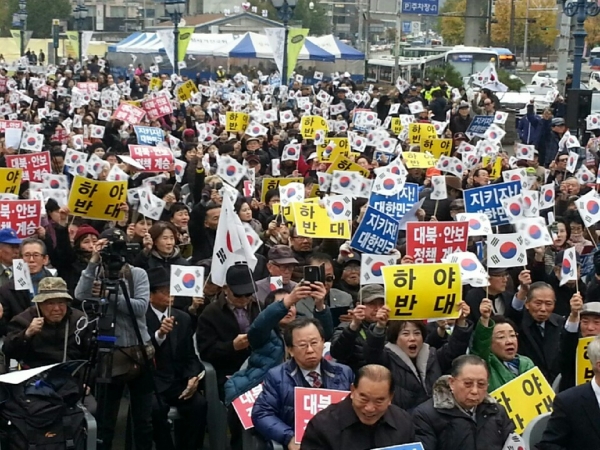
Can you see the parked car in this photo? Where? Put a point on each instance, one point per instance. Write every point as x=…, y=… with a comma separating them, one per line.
x=545, y=76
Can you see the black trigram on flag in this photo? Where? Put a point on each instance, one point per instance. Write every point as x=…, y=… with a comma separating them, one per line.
x=495, y=259
x=495, y=241
x=221, y=255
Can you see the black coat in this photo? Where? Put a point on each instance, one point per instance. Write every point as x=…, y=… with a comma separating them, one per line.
x=476, y=295
x=338, y=427
x=567, y=358
x=348, y=346
x=431, y=364
x=575, y=421
x=441, y=425
x=175, y=359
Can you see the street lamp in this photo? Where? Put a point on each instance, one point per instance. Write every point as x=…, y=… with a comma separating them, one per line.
x=175, y=10
x=285, y=11
x=23, y=20
x=80, y=13
x=581, y=9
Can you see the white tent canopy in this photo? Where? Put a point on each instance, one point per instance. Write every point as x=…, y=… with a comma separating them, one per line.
x=149, y=43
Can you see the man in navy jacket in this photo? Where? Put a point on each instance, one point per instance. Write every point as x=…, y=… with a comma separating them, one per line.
x=273, y=412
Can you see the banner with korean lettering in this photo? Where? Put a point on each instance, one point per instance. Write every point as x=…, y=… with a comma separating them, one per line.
x=419, y=132
x=422, y=291
x=274, y=183
x=417, y=160
x=526, y=397
x=333, y=149
x=236, y=122
x=154, y=159
x=396, y=205
x=99, y=200
x=10, y=180
x=308, y=402
x=7, y=124
x=377, y=233
x=309, y=125
x=313, y=221
x=149, y=135
x=430, y=242
x=129, y=113
x=186, y=91
x=488, y=200
x=23, y=216
x=286, y=211
x=243, y=406
x=157, y=107
x=583, y=365
x=345, y=163
x=32, y=164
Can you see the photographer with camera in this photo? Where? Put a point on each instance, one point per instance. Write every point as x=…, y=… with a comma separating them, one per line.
x=129, y=367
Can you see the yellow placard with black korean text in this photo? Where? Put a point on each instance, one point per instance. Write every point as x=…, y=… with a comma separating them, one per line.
x=396, y=125
x=274, y=183
x=10, y=180
x=437, y=147
x=236, y=121
x=340, y=148
x=186, y=91
x=418, y=160
x=422, y=291
x=583, y=365
x=344, y=163
x=526, y=397
x=309, y=125
x=313, y=221
x=496, y=166
x=98, y=200
x=155, y=84
x=286, y=211
x=418, y=132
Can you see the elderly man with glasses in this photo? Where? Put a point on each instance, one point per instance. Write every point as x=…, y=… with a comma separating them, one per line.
x=281, y=263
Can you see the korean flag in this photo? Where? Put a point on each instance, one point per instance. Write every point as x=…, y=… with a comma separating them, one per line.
x=525, y=152
x=534, y=232
x=514, y=208
x=516, y=175
x=179, y=168
x=471, y=270
x=494, y=133
x=589, y=208
x=230, y=170
x=547, y=196
x=439, y=188
x=451, y=165
x=339, y=207
x=96, y=132
x=388, y=182
x=117, y=174
x=187, y=281
x=371, y=265
x=293, y=192
x=506, y=250
x=357, y=142
x=479, y=223
x=324, y=180
x=345, y=182
x=291, y=152
x=572, y=162
x=52, y=181
x=32, y=142
x=253, y=238
x=585, y=175
x=568, y=271
x=531, y=203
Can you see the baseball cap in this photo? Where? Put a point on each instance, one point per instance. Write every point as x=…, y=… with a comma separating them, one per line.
x=281, y=254
x=371, y=292
x=454, y=182
x=352, y=258
x=497, y=271
x=158, y=277
x=51, y=288
x=558, y=121
x=590, y=309
x=313, y=155
x=239, y=280
x=463, y=105
x=432, y=171
x=253, y=159
x=113, y=235
x=9, y=236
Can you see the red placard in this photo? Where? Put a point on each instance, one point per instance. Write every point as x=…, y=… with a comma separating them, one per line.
x=129, y=113
x=430, y=242
x=157, y=107
x=308, y=402
x=243, y=406
x=33, y=165
x=4, y=124
x=154, y=159
x=88, y=86
x=23, y=216
x=60, y=135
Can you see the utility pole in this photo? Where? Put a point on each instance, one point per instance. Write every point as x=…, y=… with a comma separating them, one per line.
x=511, y=44
x=526, y=40
x=396, y=70
x=564, y=40
x=361, y=25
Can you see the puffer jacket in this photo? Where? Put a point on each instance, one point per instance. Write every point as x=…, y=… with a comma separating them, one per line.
x=154, y=259
x=441, y=425
x=430, y=364
x=273, y=412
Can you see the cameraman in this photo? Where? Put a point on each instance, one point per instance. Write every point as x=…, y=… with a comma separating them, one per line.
x=128, y=367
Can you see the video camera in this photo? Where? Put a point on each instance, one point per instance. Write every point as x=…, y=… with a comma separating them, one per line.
x=115, y=255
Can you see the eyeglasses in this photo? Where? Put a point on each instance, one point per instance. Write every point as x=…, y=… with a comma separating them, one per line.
x=285, y=267
x=305, y=345
x=352, y=268
x=329, y=279
x=33, y=255
x=487, y=104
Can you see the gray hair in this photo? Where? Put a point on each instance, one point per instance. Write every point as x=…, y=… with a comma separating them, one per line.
x=593, y=352
x=536, y=287
x=34, y=241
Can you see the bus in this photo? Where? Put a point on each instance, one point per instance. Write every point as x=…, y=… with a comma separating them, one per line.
x=422, y=52
x=506, y=59
x=381, y=69
x=466, y=60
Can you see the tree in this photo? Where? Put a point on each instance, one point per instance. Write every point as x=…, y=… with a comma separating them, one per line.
x=39, y=15
x=542, y=23
x=452, y=29
x=316, y=20
x=592, y=27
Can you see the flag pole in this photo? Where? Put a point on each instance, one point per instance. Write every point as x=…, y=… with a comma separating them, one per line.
x=435, y=209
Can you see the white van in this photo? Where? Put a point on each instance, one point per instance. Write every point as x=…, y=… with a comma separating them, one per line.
x=594, y=83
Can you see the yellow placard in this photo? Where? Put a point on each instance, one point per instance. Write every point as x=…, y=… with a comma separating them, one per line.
x=10, y=180
x=286, y=211
x=236, y=121
x=344, y=163
x=155, y=84
x=526, y=397
x=327, y=154
x=396, y=125
x=274, y=183
x=418, y=132
x=437, y=147
x=186, y=91
x=421, y=292
x=312, y=221
x=496, y=167
x=309, y=125
x=99, y=200
x=417, y=160
x=583, y=366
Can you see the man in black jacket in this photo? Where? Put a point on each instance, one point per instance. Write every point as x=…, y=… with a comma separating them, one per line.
x=364, y=420
x=178, y=369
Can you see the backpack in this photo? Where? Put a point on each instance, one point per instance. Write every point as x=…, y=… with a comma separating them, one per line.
x=43, y=413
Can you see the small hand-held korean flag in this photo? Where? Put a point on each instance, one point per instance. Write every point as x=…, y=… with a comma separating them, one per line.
x=524, y=152
x=514, y=208
x=479, y=223
x=471, y=270
x=339, y=207
x=589, y=208
x=514, y=442
x=506, y=250
x=22, y=276
x=531, y=203
x=187, y=281
x=370, y=268
x=547, y=196
x=568, y=271
x=293, y=192
x=572, y=162
x=534, y=232
x=585, y=175
x=275, y=283
x=230, y=170
x=439, y=188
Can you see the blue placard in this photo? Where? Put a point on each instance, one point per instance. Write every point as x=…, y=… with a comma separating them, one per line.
x=396, y=205
x=479, y=125
x=414, y=446
x=149, y=135
x=425, y=7
x=377, y=233
x=407, y=27
x=488, y=200
x=587, y=262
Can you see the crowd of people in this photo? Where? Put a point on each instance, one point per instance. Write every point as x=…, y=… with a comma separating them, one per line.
x=260, y=319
